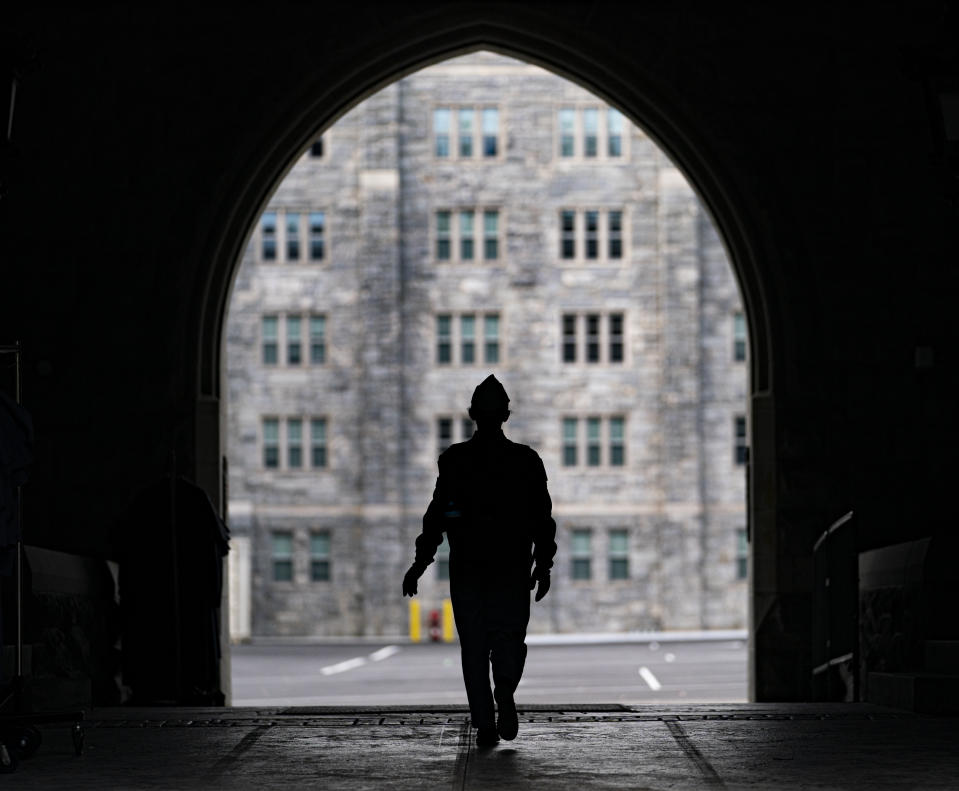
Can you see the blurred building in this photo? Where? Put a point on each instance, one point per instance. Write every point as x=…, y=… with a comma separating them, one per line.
x=485, y=216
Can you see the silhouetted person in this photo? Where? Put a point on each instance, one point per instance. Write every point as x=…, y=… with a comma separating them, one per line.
x=491, y=501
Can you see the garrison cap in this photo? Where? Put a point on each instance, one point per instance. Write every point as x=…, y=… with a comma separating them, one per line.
x=490, y=395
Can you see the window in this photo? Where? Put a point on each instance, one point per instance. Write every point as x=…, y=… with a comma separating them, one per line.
x=742, y=449
x=742, y=554
x=490, y=131
x=614, y=132
x=443, y=235
x=316, y=150
x=466, y=235
x=581, y=554
x=616, y=337
x=466, y=132
x=317, y=340
x=739, y=337
x=491, y=335
x=292, y=236
x=468, y=339
x=444, y=434
x=570, y=430
x=317, y=235
x=617, y=441
x=490, y=235
x=268, y=234
x=441, y=132
x=592, y=337
x=615, y=235
x=468, y=428
x=444, y=340
x=443, y=560
x=294, y=346
x=282, y=551
x=569, y=337
x=593, y=455
x=294, y=443
x=619, y=554
x=320, y=556
x=602, y=234
x=567, y=132
x=318, y=452
x=271, y=442
x=590, y=132
x=271, y=338
x=568, y=234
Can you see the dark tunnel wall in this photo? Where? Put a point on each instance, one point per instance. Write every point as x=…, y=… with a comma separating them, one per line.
x=145, y=141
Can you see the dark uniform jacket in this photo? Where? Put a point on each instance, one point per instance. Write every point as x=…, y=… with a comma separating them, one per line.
x=491, y=501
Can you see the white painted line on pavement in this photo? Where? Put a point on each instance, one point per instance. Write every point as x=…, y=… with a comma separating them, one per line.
x=342, y=667
x=384, y=653
x=649, y=678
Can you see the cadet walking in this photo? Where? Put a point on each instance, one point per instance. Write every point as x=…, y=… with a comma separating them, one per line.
x=492, y=502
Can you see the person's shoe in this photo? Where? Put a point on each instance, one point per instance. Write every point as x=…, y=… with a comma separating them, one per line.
x=508, y=722
x=486, y=737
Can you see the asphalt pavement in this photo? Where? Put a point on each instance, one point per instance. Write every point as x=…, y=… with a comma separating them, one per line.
x=390, y=674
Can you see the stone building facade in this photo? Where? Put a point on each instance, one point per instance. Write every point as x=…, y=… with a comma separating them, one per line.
x=485, y=216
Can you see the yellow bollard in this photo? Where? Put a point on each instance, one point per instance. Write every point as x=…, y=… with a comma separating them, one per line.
x=414, y=621
x=447, y=621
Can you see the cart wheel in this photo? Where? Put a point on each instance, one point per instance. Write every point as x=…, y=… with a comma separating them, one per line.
x=77, y=732
x=29, y=740
x=8, y=759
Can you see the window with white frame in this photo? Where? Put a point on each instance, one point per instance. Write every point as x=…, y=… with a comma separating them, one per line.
x=458, y=340
x=592, y=338
x=594, y=441
x=618, y=554
x=466, y=132
x=294, y=443
x=294, y=325
x=271, y=443
x=270, y=340
x=581, y=553
x=294, y=340
x=591, y=235
x=284, y=441
x=281, y=234
x=467, y=235
x=318, y=449
x=317, y=339
x=281, y=550
x=591, y=133
x=320, y=556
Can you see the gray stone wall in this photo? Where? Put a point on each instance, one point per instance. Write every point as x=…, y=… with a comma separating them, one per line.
x=679, y=495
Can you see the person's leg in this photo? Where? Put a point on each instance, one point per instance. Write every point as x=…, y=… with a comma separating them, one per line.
x=474, y=655
x=507, y=641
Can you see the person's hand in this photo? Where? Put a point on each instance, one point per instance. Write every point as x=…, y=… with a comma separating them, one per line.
x=409, y=581
x=540, y=576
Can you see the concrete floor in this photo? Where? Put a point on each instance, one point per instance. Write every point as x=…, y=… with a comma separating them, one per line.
x=797, y=746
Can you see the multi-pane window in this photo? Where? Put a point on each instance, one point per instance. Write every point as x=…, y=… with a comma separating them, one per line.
x=581, y=129
x=294, y=341
x=619, y=554
x=318, y=449
x=271, y=442
x=456, y=234
x=281, y=235
x=739, y=337
x=581, y=554
x=443, y=560
x=282, y=555
x=742, y=554
x=603, y=438
x=292, y=236
x=444, y=434
x=271, y=339
x=317, y=235
x=317, y=340
x=600, y=232
x=457, y=340
x=294, y=443
x=320, y=556
x=570, y=432
x=441, y=132
x=268, y=235
x=466, y=132
x=741, y=453
x=593, y=337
